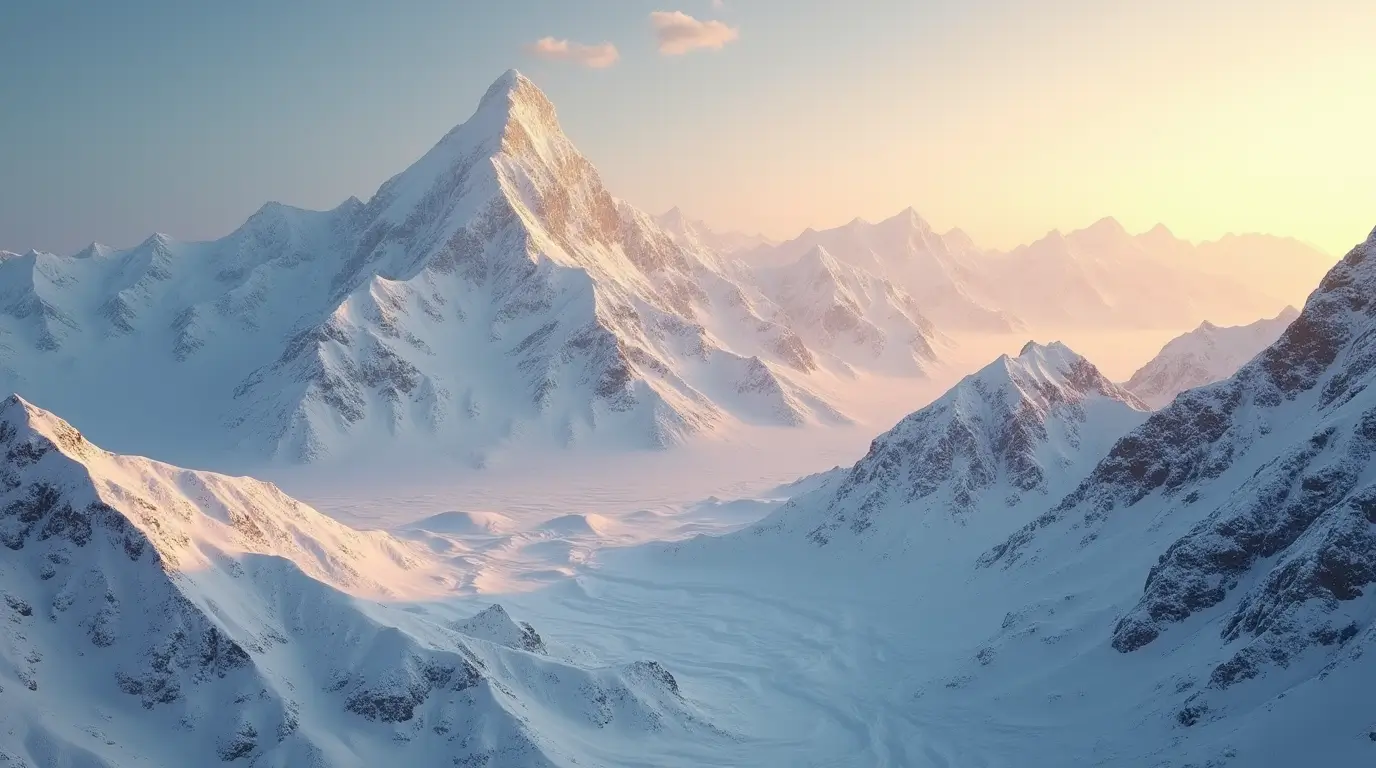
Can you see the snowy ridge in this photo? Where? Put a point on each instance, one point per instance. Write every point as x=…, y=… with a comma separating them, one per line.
x=1258, y=494
x=1207, y=354
x=238, y=620
x=1015, y=431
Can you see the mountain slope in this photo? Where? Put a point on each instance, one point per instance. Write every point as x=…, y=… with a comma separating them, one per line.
x=493, y=292
x=1247, y=507
x=938, y=271
x=240, y=623
x=1011, y=435
x=1207, y=354
x=850, y=313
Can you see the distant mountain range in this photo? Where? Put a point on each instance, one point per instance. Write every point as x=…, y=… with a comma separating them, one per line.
x=1100, y=276
x=1207, y=354
x=496, y=294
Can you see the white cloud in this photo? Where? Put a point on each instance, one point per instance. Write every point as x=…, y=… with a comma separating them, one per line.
x=598, y=56
x=679, y=33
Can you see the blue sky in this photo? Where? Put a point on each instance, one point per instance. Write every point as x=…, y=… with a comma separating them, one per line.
x=1007, y=117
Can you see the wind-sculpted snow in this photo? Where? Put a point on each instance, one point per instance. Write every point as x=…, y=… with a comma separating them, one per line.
x=205, y=618
x=1267, y=478
x=1011, y=432
x=494, y=291
x=1203, y=356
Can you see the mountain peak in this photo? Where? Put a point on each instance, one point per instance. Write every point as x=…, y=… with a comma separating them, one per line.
x=1044, y=368
x=515, y=96
x=1056, y=352
x=1107, y=225
x=14, y=405
x=907, y=218
x=510, y=85
x=22, y=421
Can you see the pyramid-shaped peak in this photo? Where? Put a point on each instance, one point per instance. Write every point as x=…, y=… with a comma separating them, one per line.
x=908, y=219
x=1288, y=314
x=15, y=406
x=1106, y=226
x=514, y=89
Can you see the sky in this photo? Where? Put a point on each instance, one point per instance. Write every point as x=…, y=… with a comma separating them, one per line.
x=1006, y=118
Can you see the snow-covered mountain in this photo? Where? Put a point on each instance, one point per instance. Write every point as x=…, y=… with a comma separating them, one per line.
x=493, y=291
x=1018, y=433
x=697, y=232
x=1248, y=508
x=1207, y=354
x=937, y=270
x=1100, y=276
x=160, y=616
x=850, y=313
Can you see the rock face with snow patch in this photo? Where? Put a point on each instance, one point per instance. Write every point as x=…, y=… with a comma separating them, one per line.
x=1017, y=429
x=1207, y=354
x=138, y=595
x=1267, y=478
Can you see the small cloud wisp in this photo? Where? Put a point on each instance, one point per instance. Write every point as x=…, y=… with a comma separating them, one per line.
x=678, y=33
x=598, y=56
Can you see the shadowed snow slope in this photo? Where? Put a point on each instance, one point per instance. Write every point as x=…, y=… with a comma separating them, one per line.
x=1013, y=434
x=492, y=292
x=1207, y=354
x=161, y=616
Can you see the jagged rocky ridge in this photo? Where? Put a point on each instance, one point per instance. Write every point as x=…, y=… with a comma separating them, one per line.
x=175, y=617
x=491, y=292
x=1012, y=433
x=1207, y=354
x=1263, y=488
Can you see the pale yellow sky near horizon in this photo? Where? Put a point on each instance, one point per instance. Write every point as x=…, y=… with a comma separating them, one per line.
x=1198, y=116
